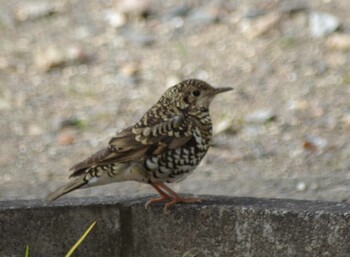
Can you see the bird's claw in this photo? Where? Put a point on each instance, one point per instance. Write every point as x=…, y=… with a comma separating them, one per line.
x=173, y=201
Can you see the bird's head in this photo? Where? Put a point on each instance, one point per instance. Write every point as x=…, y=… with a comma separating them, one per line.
x=192, y=93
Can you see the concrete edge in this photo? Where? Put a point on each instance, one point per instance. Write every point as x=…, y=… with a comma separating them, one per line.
x=125, y=228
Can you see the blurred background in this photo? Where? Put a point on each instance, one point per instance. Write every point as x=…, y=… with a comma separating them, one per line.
x=74, y=72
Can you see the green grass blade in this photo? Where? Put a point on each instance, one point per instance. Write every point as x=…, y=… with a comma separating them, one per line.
x=81, y=239
x=191, y=253
x=27, y=251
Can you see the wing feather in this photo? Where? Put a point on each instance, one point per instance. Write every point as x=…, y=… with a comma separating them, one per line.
x=136, y=143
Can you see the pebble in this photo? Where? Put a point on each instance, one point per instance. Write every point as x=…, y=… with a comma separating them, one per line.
x=203, y=16
x=76, y=54
x=292, y=7
x=339, y=41
x=48, y=58
x=181, y=10
x=130, y=69
x=253, y=13
x=114, y=18
x=35, y=130
x=314, y=143
x=66, y=137
x=137, y=37
x=223, y=125
x=298, y=105
x=252, y=131
x=133, y=7
x=31, y=10
x=346, y=119
x=322, y=24
x=260, y=116
x=260, y=25
x=172, y=80
x=52, y=56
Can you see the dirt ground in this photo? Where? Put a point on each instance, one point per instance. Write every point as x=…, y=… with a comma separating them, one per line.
x=72, y=73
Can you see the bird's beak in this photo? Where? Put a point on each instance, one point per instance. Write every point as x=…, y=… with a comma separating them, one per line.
x=222, y=90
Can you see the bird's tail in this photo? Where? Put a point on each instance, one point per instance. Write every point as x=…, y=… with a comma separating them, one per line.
x=75, y=184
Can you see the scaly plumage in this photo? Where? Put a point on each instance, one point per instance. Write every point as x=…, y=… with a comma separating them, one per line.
x=165, y=146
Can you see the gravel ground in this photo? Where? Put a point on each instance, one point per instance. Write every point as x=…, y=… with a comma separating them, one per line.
x=74, y=72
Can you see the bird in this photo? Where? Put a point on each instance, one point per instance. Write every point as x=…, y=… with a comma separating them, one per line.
x=163, y=147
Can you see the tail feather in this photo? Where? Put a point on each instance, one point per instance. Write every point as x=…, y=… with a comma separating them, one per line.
x=100, y=175
x=75, y=184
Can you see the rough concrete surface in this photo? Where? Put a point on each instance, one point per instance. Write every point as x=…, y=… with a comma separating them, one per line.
x=222, y=226
x=53, y=230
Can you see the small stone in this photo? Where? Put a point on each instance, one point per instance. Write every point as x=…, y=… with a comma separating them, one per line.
x=292, y=7
x=133, y=7
x=253, y=13
x=172, y=80
x=298, y=105
x=223, y=125
x=260, y=116
x=252, y=131
x=177, y=11
x=76, y=54
x=48, y=58
x=35, y=130
x=130, y=69
x=261, y=25
x=137, y=37
x=339, y=41
x=176, y=22
x=66, y=137
x=34, y=10
x=114, y=18
x=301, y=186
x=51, y=56
x=314, y=144
x=204, y=16
x=322, y=24
x=316, y=112
x=346, y=119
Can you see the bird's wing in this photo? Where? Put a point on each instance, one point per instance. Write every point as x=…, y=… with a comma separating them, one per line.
x=138, y=142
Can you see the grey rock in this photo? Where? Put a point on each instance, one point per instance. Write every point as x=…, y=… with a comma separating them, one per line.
x=253, y=13
x=260, y=116
x=291, y=7
x=339, y=41
x=137, y=37
x=114, y=18
x=177, y=11
x=322, y=24
x=33, y=10
x=203, y=16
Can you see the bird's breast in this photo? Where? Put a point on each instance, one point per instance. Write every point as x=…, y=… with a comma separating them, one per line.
x=175, y=164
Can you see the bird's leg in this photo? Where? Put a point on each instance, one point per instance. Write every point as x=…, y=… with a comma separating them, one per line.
x=163, y=196
x=175, y=198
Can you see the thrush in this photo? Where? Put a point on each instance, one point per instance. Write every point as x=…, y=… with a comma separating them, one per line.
x=165, y=146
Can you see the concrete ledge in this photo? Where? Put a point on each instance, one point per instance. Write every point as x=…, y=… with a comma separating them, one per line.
x=222, y=226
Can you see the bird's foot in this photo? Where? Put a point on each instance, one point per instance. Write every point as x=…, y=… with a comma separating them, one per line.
x=183, y=200
x=156, y=200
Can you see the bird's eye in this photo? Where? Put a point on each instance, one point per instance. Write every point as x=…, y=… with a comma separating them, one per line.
x=196, y=93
